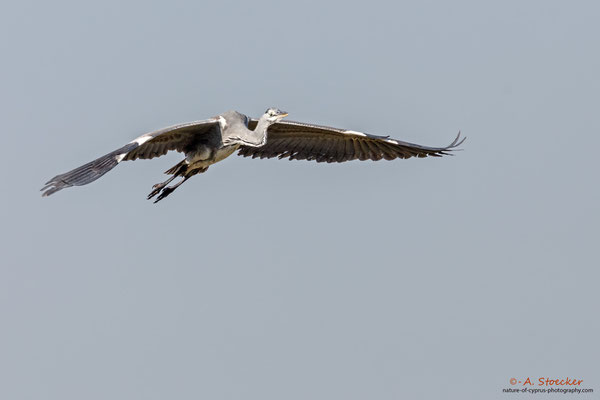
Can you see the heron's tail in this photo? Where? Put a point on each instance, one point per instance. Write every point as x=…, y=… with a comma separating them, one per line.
x=87, y=173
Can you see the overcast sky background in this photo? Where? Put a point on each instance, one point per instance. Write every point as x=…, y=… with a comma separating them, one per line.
x=267, y=279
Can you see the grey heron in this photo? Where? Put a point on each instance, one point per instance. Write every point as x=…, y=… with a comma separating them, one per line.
x=211, y=140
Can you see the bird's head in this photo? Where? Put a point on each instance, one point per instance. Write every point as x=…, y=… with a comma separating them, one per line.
x=274, y=114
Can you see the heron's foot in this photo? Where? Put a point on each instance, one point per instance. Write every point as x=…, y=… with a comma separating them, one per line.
x=159, y=186
x=165, y=192
x=156, y=189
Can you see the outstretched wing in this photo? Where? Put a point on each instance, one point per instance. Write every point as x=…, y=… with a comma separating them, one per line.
x=300, y=141
x=154, y=144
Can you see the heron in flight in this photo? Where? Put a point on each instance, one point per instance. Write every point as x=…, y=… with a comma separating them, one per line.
x=211, y=140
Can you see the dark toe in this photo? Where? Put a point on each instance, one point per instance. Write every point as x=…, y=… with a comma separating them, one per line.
x=165, y=192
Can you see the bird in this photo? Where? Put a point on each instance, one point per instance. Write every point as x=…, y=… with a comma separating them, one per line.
x=209, y=141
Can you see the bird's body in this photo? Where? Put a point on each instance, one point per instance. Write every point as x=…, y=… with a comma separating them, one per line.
x=209, y=141
x=210, y=147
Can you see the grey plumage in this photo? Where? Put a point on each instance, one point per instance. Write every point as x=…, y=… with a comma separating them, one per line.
x=87, y=173
x=301, y=141
x=209, y=141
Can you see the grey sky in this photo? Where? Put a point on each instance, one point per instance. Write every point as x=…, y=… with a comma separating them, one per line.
x=420, y=279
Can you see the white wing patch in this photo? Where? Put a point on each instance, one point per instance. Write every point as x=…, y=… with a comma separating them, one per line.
x=142, y=139
x=222, y=123
x=354, y=133
x=139, y=140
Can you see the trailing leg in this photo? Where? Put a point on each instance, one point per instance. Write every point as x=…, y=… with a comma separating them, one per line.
x=178, y=169
x=169, y=189
x=165, y=191
x=159, y=186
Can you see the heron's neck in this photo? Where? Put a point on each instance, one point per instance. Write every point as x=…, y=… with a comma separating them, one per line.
x=260, y=132
x=261, y=126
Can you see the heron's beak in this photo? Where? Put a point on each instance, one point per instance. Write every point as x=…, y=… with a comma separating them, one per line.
x=282, y=115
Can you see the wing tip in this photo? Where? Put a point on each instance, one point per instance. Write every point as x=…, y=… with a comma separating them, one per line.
x=452, y=146
x=456, y=142
x=53, y=188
